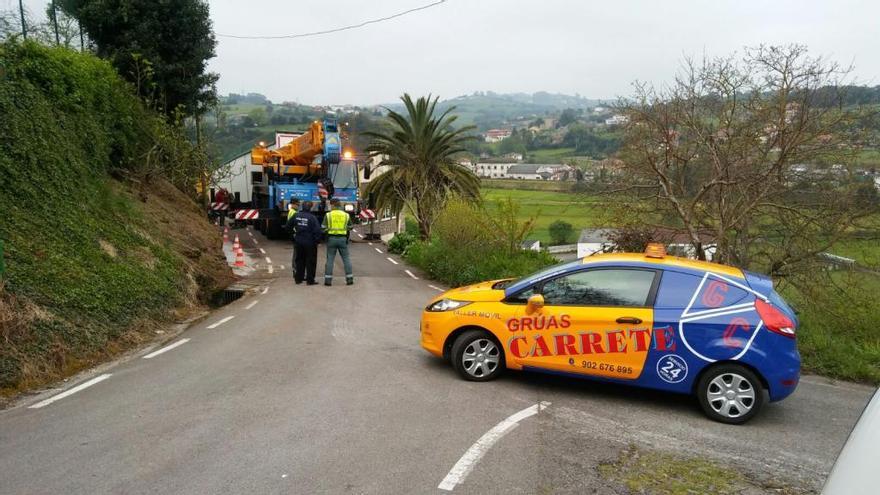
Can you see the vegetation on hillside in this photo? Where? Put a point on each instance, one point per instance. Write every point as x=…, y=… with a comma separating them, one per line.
x=90, y=260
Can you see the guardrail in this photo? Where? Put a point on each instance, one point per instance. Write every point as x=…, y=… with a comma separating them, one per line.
x=562, y=248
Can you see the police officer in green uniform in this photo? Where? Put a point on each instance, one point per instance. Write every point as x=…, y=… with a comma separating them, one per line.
x=337, y=226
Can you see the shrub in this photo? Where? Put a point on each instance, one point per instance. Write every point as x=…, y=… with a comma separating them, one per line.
x=400, y=243
x=469, y=246
x=560, y=231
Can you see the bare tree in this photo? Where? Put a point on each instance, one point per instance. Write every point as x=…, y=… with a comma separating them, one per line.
x=755, y=151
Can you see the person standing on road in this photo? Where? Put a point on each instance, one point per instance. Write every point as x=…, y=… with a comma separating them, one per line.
x=306, y=236
x=337, y=226
x=221, y=198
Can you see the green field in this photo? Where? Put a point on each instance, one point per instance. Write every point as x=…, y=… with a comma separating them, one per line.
x=579, y=210
x=551, y=155
x=527, y=185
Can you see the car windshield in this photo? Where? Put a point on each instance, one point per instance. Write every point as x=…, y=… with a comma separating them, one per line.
x=344, y=175
x=516, y=285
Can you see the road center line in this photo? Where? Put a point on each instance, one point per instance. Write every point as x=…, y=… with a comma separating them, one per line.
x=224, y=320
x=361, y=236
x=411, y=274
x=268, y=259
x=378, y=250
x=256, y=241
x=262, y=250
x=81, y=386
x=435, y=288
x=265, y=290
x=166, y=348
x=391, y=260
x=251, y=305
x=473, y=455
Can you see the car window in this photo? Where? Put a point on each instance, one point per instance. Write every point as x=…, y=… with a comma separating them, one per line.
x=522, y=297
x=614, y=287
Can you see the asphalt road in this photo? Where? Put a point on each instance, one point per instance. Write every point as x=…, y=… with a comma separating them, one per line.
x=326, y=390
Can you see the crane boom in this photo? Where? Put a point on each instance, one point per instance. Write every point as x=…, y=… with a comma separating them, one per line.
x=298, y=156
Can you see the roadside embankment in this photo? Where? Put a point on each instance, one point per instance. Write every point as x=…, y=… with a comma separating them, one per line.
x=98, y=253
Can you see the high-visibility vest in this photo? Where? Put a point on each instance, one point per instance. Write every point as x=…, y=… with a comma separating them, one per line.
x=337, y=222
x=290, y=213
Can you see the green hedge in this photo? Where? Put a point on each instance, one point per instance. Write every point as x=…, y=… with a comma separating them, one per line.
x=79, y=251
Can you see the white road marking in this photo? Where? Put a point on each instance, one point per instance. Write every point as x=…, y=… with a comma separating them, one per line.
x=435, y=287
x=281, y=267
x=473, y=455
x=251, y=305
x=256, y=241
x=265, y=290
x=378, y=250
x=268, y=259
x=224, y=320
x=391, y=260
x=262, y=250
x=166, y=348
x=411, y=274
x=359, y=235
x=271, y=269
x=67, y=393
x=370, y=243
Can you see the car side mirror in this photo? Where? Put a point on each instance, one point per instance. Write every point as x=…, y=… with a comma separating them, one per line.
x=535, y=303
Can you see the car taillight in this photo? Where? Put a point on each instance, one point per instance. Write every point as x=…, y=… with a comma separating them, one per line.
x=775, y=320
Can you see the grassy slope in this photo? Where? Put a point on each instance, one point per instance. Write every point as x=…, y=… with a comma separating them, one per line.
x=579, y=210
x=90, y=262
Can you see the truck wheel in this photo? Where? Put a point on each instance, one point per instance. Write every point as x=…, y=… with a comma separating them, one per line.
x=730, y=393
x=477, y=356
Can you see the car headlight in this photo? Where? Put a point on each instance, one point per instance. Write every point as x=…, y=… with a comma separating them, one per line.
x=446, y=305
x=349, y=207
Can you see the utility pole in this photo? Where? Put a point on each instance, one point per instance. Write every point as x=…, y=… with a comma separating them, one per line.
x=55, y=22
x=82, y=45
x=23, y=24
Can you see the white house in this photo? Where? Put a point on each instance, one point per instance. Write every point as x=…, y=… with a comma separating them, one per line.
x=617, y=120
x=595, y=241
x=492, y=170
x=496, y=135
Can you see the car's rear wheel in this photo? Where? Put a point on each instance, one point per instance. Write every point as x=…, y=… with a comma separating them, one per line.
x=730, y=393
x=477, y=356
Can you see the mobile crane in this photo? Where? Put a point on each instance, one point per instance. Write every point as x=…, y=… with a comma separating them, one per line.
x=312, y=167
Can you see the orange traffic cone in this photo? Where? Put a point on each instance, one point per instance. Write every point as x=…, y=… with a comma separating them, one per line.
x=239, y=257
x=225, y=235
x=237, y=244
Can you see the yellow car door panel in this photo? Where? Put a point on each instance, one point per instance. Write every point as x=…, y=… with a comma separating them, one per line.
x=594, y=322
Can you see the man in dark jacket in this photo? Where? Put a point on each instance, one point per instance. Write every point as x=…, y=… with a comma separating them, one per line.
x=306, y=235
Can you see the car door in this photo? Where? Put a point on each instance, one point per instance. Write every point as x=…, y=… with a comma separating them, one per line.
x=594, y=322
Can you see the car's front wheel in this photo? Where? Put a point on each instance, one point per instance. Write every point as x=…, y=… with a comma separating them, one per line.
x=477, y=356
x=730, y=393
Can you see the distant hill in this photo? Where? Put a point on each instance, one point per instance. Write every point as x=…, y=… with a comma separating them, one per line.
x=487, y=109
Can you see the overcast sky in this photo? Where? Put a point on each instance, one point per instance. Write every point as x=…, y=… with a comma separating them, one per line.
x=593, y=48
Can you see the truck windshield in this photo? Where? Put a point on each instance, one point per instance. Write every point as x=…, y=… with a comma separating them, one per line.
x=344, y=175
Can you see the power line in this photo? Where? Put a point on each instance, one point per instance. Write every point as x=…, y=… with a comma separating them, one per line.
x=334, y=30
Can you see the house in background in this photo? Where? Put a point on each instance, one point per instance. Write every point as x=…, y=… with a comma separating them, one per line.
x=527, y=171
x=531, y=245
x=496, y=135
x=594, y=241
x=493, y=170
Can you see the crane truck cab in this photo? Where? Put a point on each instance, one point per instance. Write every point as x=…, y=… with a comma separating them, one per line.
x=312, y=167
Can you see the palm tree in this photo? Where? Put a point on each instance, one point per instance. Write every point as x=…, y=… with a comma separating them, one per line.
x=419, y=150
